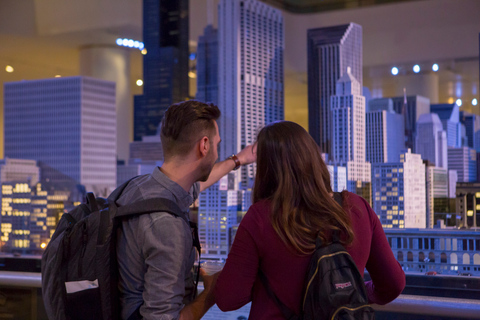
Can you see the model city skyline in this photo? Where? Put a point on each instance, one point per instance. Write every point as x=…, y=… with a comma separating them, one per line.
x=402, y=154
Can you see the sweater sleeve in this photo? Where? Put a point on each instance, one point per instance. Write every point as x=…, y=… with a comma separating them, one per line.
x=388, y=278
x=235, y=283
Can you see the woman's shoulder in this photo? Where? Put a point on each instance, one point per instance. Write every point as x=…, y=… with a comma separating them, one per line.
x=262, y=205
x=352, y=199
x=260, y=209
x=356, y=204
x=258, y=213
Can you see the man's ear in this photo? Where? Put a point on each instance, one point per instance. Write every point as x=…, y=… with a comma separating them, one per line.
x=204, y=146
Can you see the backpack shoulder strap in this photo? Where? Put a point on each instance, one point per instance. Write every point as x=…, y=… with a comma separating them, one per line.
x=144, y=206
x=161, y=205
x=337, y=196
x=158, y=205
x=286, y=311
x=150, y=206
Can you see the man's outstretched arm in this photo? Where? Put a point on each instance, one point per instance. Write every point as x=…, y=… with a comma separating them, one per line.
x=220, y=169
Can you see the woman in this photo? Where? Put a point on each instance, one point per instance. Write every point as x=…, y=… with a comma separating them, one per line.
x=293, y=204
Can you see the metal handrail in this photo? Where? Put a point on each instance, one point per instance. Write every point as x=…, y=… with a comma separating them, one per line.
x=20, y=279
x=405, y=304
x=433, y=306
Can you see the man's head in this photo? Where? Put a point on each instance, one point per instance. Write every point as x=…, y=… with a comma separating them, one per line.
x=190, y=126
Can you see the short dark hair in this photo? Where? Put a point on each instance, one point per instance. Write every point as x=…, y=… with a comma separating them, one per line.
x=184, y=123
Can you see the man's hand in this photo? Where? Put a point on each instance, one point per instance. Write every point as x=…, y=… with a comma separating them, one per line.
x=248, y=155
x=209, y=282
x=204, y=301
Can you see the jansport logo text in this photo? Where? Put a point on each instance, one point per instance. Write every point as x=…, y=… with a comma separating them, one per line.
x=343, y=285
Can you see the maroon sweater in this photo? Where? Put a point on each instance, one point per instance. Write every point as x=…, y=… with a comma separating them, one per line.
x=257, y=245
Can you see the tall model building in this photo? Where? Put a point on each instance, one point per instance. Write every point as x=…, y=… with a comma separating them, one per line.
x=379, y=104
x=250, y=69
x=19, y=170
x=68, y=125
x=468, y=205
x=399, y=192
x=207, y=66
x=464, y=161
x=330, y=51
x=436, y=184
x=338, y=177
x=472, y=129
x=165, y=66
x=431, y=141
x=412, y=107
x=15, y=223
x=347, y=108
x=384, y=141
x=449, y=114
x=347, y=112
x=218, y=213
x=250, y=89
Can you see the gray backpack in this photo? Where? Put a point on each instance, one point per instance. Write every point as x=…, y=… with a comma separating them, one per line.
x=79, y=265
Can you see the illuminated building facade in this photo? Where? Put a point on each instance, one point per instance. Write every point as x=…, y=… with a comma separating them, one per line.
x=398, y=190
x=68, y=125
x=468, y=204
x=47, y=209
x=29, y=214
x=15, y=220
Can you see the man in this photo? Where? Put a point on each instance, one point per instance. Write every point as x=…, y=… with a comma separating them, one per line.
x=155, y=251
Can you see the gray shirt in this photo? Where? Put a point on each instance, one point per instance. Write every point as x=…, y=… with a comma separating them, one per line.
x=155, y=251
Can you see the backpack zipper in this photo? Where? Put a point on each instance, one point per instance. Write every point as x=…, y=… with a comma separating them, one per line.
x=351, y=309
x=316, y=270
x=84, y=247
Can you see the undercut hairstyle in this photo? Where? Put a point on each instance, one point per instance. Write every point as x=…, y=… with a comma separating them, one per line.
x=292, y=175
x=184, y=124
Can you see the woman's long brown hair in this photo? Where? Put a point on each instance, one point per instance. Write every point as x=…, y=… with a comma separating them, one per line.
x=293, y=176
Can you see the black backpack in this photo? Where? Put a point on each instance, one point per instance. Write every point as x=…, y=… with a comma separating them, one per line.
x=79, y=265
x=334, y=288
